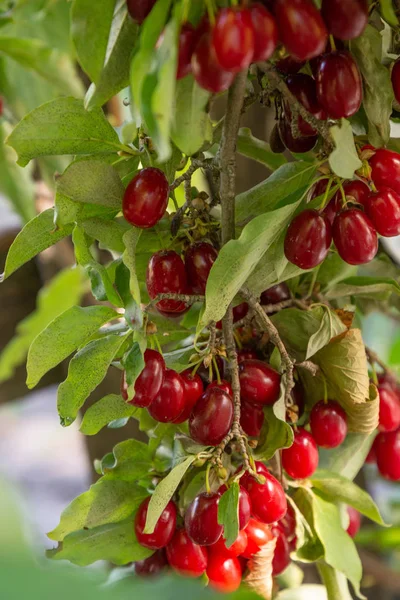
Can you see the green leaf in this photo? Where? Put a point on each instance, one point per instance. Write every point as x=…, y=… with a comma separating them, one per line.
x=349, y=457
x=388, y=13
x=164, y=492
x=333, y=270
x=133, y=363
x=108, y=233
x=192, y=124
x=258, y=150
x=330, y=327
x=381, y=540
x=228, y=513
x=378, y=89
x=364, y=287
x=63, y=336
x=130, y=240
x=62, y=126
x=265, y=196
x=344, y=160
x=132, y=460
x=86, y=371
x=37, y=235
x=275, y=433
x=104, y=411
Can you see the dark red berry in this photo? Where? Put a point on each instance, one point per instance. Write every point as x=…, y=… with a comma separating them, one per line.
x=389, y=409
x=383, y=208
x=308, y=239
x=169, y=403
x=396, y=79
x=146, y=198
x=265, y=32
x=274, y=295
x=152, y=566
x=192, y=390
x=355, y=237
x=199, y=258
x=201, y=519
x=211, y=417
x=258, y=535
x=339, y=84
x=289, y=66
x=251, y=418
x=247, y=479
x=345, y=19
x=281, y=558
x=238, y=546
x=355, y=191
x=149, y=382
x=186, y=557
x=259, y=383
x=222, y=385
x=239, y=312
x=187, y=44
x=164, y=529
x=387, y=448
x=139, y=9
x=299, y=144
x=224, y=572
x=301, y=459
x=354, y=521
x=301, y=28
x=244, y=505
x=247, y=354
x=304, y=88
x=206, y=69
x=328, y=423
x=233, y=38
x=165, y=275
x=385, y=166
x=268, y=499
x=288, y=523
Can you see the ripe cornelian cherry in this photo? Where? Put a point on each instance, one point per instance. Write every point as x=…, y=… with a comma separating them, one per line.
x=151, y=566
x=224, y=572
x=389, y=409
x=164, y=529
x=288, y=523
x=211, y=417
x=199, y=258
x=299, y=144
x=339, y=84
x=301, y=459
x=146, y=197
x=387, y=448
x=396, y=79
x=268, y=499
x=301, y=28
x=304, y=88
x=258, y=535
x=192, y=390
x=259, y=383
x=385, y=166
x=238, y=546
x=355, y=237
x=149, y=382
x=186, y=557
x=206, y=69
x=247, y=354
x=328, y=423
x=187, y=42
x=169, y=403
x=265, y=32
x=356, y=191
x=289, y=66
x=201, y=519
x=233, y=38
x=383, y=208
x=308, y=239
x=275, y=294
x=165, y=275
x=222, y=385
x=354, y=521
x=345, y=19
x=139, y=9
x=251, y=418
x=281, y=558
x=244, y=506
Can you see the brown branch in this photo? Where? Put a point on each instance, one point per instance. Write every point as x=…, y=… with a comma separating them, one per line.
x=196, y=163
x=310, y=366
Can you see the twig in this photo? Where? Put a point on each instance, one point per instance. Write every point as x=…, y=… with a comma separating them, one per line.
x=310, y=366
x=186, y=298
x=196, y=163
x=374, y=358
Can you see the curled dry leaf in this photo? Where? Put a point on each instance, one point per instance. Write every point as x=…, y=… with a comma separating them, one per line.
x=260, y=578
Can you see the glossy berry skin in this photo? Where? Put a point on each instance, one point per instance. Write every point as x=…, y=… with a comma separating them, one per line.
x=275, y=294
x=163, y=531
x=301, y=28
x=211, y=417
x=192, y=390
x=146, y=197
x=268, y=499
x=222, y=385
x=169, y=403
x=295, y=144
x=224, y=572
x=281, y=558
x=304, y=88
x=289, y=66
x=165, y=275
x=383, y=208
x=139, y=9
x=301, y=459
x=308, y=239
x=396, y=79
x=389, y=409
x=345, y=19
x=149, y=382
x=251, y=418
x=238, y=546
x=258, y=535
x=187, y=44
x=247, y=479
x=186, y=557
x=233, y=39
x=387, y=448
x=385, y=166
x=151, y=566
x=259, y=383
x=356, y=191
x=206, y=69
x=354, y=521
x=244, y=505
x=201, y=519
x=265, y=32
x=339, y=84
x=355, y=237
x=328, y=423
x=199, y=258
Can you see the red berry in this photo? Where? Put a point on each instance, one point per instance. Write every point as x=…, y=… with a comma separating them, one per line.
x=151, y=566
x=224, y=572
x=268, y=499
x=259, y=383
x=301, y=28
x=385, y=166
x=251, y=418
x=345, y=19
x=301, y=459
x=238, y=546
x=288, y=523
x=146, y=198
x=265, y=32
x=139, y=9
x=389, y=409
x=289, y=66
x=247, y=354
x=164, y=529
x=165, y=275
x=258, y=535
x=304, y=88
x=169, y=403
x=281, y=558
x=187, y=42
x=206, y=69
x=247, y=479
x=211, y=417
x=233, y=39
x=199, y=258
x=328, y=423
x=201, y=519
x=339, y=84
x=308, y=239
x=295, y=144
x=355, y=237
x=192, y=390
x=244, y=505
x=396, y=79
x=149, y=382
x=387, y=448
x=275, y=294
x=186, y=557
x=371, y=456
x=354, y=521
x=383, y=208
x=222, y=385
x=356, y=191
